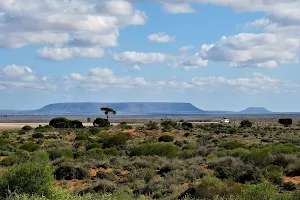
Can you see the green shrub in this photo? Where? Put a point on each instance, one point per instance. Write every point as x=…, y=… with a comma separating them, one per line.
x=93, y=145
x=165, y=138
x=212, y=187
x=38, y=135
x=5, y=145
x=76, y=124
x=246, y=124
x=186, y=125
x=27, y=128
x=81, y=136
x=103, y=123
x=94, y=130
x=150, y=149
x=285, y=122
x=96, y=153
x=152, y=125
x=58, y=153
x=60, y=122
x=16, y=158
x=69, y=172
x=106, y=175
x=30, y=146
x=30, y=178
x=235, y=169
x=124, y=126
x=117, y=140
x=260, y=191
x=231, y=145
x=111, y=152
x=274, y=174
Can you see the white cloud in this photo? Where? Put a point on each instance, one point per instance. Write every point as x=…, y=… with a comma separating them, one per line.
x=185, y=61
x=14, y=76
x=69, y=53
x=60, y=23
x=104, y=78
x=252, y=50
x=178, y=8
x=161, y=38
x=134, y=68
x=89, y=40
x=139, y=57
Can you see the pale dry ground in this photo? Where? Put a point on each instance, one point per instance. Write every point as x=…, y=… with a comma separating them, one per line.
x=6, y=126
x=20, y=125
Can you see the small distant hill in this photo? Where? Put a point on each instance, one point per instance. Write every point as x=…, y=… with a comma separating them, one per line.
x=255, y=110
x=90, y=108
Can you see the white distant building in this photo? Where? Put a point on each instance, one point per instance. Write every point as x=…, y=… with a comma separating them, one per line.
x=225, y=120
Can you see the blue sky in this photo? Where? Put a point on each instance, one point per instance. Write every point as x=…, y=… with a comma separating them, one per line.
x=216, y=54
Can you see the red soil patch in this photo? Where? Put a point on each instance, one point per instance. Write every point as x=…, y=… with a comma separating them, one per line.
x=94, y=172
x=69, y=137
x=2, y=157
x=72, y=185
x=295, y=180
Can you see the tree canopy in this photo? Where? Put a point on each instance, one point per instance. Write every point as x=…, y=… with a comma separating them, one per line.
x=108, y=111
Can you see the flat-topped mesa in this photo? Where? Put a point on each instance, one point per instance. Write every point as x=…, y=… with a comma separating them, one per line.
x=255, y=110
x=130, y=108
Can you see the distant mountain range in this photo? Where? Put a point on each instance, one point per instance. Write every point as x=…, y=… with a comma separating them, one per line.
x=132, y=108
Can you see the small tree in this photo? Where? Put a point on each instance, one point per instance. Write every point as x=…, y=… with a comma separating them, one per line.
x=246, y=123
x=286, y=122
x=108, y=111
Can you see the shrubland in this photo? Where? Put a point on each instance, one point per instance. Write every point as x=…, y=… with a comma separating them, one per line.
x=170, y=160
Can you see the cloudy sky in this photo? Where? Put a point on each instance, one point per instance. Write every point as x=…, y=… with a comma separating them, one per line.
x=216, y=54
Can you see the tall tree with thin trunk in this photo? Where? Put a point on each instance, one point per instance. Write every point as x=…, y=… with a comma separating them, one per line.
x=108, y=111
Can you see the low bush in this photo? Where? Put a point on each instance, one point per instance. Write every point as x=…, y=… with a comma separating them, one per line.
x=27, y=128
x=38, y=135
x=274, y=174
x=81, y=136
x=236, y=170
x=58, y=153
x=93, y=145
x=246, y=124
x=30, y=178
x=117, y=140
x=62, y=122
x=231, y=145
x=103, y=123
x=111, y=152
x=212, y=187
x=152, y=125
x=106, y=175
x=186, y=125
x=124, y=126
x=94, y=130
x=150, y=149
x=165, y=138
x=69, y=172
x=30, y=146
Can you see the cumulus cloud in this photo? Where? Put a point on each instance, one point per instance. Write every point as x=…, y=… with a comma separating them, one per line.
x=14, y=76
x=139, y=57
x=66, y=23
x=252, y=50
x=132, y=69
x=178, y=8
x=69, y=53
x=104, y=78
x=161, y=38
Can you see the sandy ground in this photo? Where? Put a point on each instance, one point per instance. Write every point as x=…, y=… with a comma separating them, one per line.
x=20, y=125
